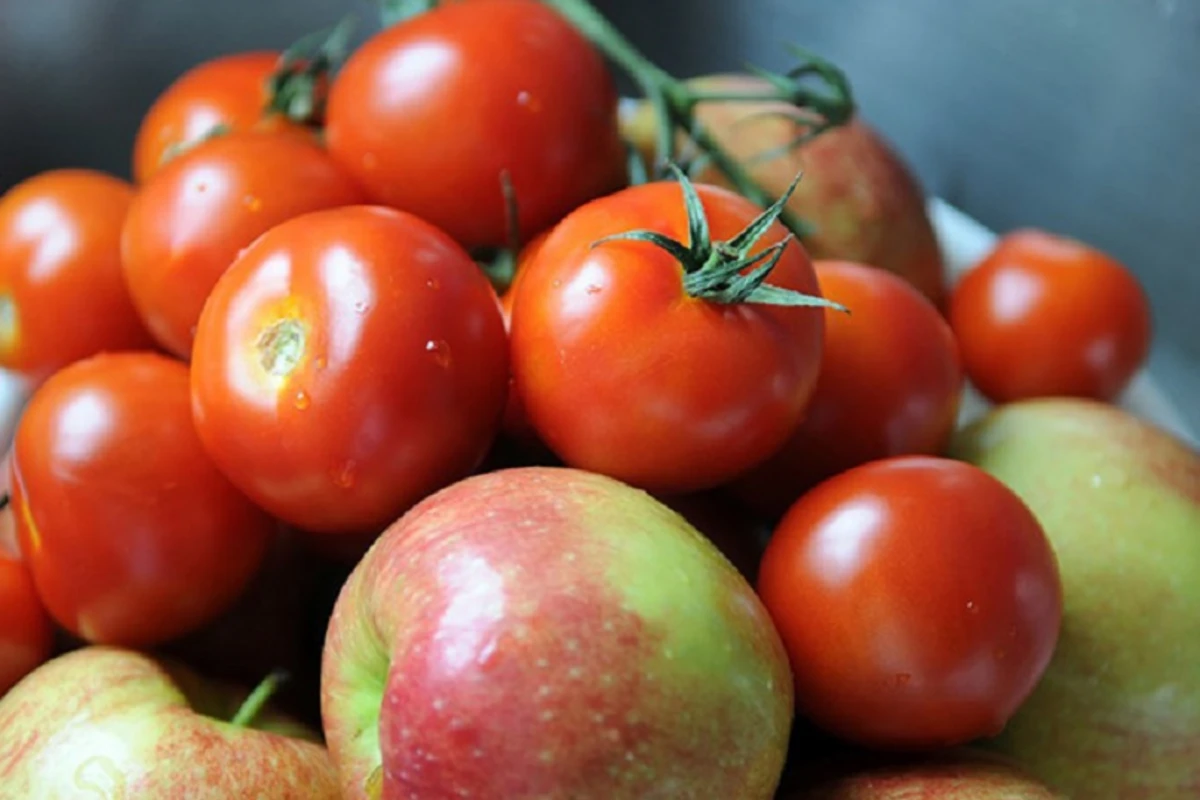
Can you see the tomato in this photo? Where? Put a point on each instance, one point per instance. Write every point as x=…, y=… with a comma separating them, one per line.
x=918, y=599
x=230, y=92
x=62, y=296
x=1043, y=315
x=430, y=114
x=515, y=424
x=891, y=379
x=350, y=362
x=26, y=636
x=132, y=535
x=625, y=372
x=193, y=217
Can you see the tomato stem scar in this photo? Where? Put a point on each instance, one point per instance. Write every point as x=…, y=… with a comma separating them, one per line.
x=281, y=346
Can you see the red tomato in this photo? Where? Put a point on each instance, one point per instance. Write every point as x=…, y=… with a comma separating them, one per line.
x=131, y=533
x=193, y=217
x=1044, y=315
x=919, y=601
x=62, y=296
x=26, y=636
x=891, y=379
x=350, y=362
x=624, y=372
x=429, y=114
x=227, y=92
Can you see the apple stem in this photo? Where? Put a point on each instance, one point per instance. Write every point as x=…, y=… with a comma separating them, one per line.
x=254, y=703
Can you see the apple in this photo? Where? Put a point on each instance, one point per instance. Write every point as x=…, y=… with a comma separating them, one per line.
x=108, y=722
x=963, y=774
x=1117, y=712
x=549, y=632
x=863, y=200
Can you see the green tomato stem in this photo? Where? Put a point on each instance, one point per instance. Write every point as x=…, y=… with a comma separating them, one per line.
x=257, y=700
x=674, y=101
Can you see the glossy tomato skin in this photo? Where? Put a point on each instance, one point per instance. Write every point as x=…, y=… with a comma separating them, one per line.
x=428, y=114
x=62, y=296
x=622, y=372
x=890, y=384
x=132, y=535
x=349, y=363
x=1043, y=315
x=229, y=92
x=26, y=636
x=192, y=218
x=919, y=601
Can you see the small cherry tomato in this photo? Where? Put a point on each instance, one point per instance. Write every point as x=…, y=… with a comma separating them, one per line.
x=891, y=379
x=26, y=635
x=132, y=535
x=1043, y=315
x=631, y=365
x=919, y=600
x=230, y=92
x=62, y=295
x=189, y=221
x=350, y=362
x=430, y=116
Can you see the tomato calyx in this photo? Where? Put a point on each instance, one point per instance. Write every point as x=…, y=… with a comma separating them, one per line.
x=392, y=12
x=716, y=271
x=281, y=346
x=500, y=264
x=297, y=88
x=254, y=704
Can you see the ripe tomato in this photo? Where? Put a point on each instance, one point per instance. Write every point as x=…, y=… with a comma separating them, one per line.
x=227, y=92
x=919, y=601
x=1043, y=315
x=132, y=535
x=625, y=372
x=26, y=636
x=350, y=362
x=62, y=296
x=891, y=379
x=191, y=219
x=429, y=114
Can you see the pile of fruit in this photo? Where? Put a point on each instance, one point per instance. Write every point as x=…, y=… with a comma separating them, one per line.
x=515, y=440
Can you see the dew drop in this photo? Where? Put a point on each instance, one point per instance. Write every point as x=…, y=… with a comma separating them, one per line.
x=360, y=307
x=433, y=284
x=972, y=607
x=252, y=203
x=343, y=477
x=301, y=401
x=440, y=351
x=523, y=97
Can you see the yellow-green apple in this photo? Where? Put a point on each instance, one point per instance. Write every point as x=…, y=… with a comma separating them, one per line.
x=548, y=632
x=1117, y=713
x=862, y=199
x=962, y=774
x=113, y=723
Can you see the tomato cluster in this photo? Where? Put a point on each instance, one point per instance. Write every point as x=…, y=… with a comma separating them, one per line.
x=287, y=325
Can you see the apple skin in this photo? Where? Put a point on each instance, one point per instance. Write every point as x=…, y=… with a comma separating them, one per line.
x=1117, y=713
x=547, y=632
x=109, y=722
x=864, y=201
x=961, y=774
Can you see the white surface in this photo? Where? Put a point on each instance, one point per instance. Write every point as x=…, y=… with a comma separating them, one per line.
x=964, y=242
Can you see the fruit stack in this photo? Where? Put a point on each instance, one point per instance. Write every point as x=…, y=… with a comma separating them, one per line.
x=513, y=440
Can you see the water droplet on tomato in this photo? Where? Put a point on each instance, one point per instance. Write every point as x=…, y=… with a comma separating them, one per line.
x=360, y=307
x=556, y=283
x=972, y=607
x=251, y=202
x=301, y=400
x=343, y=476
x=593, y=289
x=440, y=351
x=433, y=284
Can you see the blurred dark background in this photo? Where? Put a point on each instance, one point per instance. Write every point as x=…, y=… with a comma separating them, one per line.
x=1081, y=116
